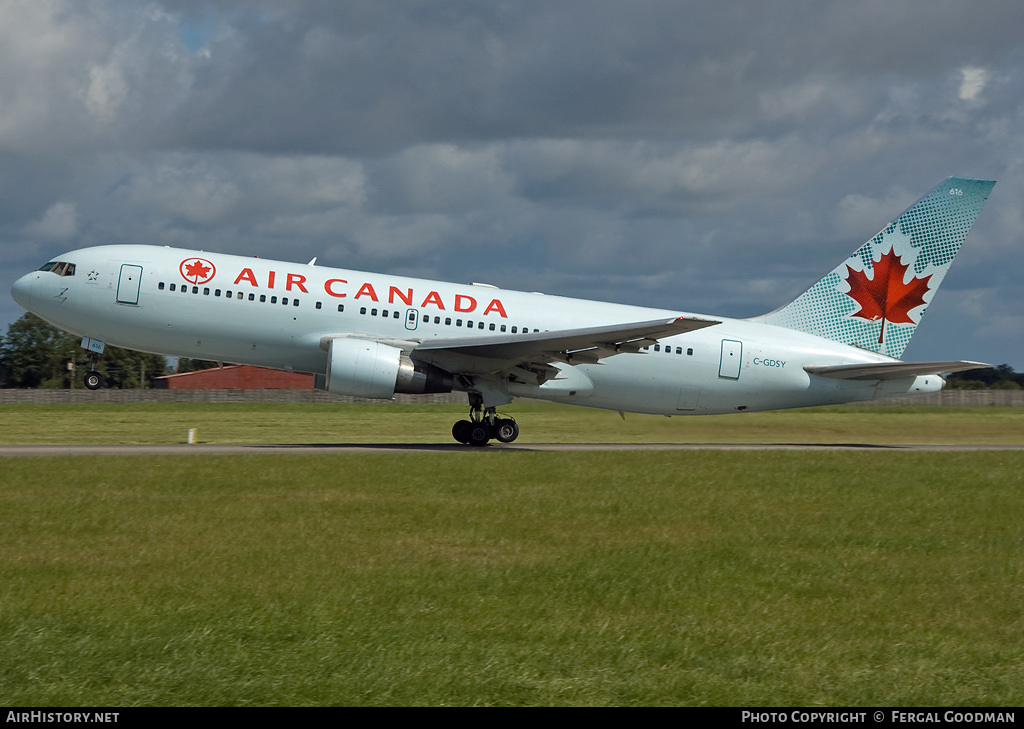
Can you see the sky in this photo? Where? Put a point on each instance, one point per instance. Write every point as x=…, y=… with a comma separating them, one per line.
x=716, y=158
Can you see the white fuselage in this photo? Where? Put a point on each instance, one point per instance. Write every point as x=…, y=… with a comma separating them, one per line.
x=276, y=314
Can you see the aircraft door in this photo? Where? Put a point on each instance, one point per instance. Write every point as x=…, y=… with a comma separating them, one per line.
x=128, y=284
x=412, y=319
x=732, y=359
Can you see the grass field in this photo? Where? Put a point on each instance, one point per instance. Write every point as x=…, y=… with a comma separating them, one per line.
x=511, y=578
x=540, y=423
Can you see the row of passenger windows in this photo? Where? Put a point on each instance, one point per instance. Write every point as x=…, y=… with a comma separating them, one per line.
x=228, y=294
x=384, y=313
x=668, y=349
x=448, y=321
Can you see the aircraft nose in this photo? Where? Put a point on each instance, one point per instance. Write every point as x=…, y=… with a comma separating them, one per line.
x=21, y=291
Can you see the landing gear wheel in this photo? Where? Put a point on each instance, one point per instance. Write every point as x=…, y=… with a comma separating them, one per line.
x=506, y=430
x=93, y=380
x=479, y=434
x=460, y=431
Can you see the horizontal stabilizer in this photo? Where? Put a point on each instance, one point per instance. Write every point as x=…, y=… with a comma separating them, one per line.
x=891, y=370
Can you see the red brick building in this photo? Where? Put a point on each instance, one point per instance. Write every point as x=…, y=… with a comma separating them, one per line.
x=236, y=377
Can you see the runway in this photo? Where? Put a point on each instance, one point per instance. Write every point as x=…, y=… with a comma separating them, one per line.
x=252, y=449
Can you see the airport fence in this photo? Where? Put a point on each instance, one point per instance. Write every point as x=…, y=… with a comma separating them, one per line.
x=946, y=398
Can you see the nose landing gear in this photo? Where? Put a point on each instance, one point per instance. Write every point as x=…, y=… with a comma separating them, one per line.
x=94, y=349
x=93, y=380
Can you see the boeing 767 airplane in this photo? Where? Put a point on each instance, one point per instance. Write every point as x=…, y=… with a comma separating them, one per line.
x=372, y=335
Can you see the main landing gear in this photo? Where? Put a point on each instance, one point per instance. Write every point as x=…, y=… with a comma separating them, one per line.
x=483, y=425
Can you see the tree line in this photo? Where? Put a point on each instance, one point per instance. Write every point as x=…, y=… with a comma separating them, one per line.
x=1000, y=377
x=36, y=354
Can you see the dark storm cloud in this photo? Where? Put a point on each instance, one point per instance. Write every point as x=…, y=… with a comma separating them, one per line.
x=373, y=77
x=711, y=157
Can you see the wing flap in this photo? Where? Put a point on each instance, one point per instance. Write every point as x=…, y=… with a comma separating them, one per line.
x=890, y=370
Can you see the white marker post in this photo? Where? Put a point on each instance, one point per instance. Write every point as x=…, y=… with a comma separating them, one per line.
x=192, y=436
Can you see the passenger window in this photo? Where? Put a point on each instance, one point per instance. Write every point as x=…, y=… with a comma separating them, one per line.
x=263, y=298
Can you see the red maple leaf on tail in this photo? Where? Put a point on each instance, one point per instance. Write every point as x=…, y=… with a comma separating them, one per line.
x=885, y=296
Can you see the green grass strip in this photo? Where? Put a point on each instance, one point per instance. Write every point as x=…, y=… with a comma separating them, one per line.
x=514, y=578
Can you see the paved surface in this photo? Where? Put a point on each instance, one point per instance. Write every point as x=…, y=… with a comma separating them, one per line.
x=325, y=448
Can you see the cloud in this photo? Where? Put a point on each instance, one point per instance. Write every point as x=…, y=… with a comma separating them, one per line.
x=973, y=80
x=57, y=224
x=650, y=152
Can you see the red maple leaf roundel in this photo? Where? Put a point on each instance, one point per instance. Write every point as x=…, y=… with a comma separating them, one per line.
x=885, y=296
x=197, y=270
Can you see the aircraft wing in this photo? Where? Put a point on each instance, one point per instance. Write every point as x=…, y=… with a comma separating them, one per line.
x=891, y=370
x=574, y=346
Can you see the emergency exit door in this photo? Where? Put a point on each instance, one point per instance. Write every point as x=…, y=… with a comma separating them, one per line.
x=128, y=284
x=732, y=358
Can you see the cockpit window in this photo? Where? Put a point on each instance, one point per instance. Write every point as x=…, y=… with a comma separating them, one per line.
x=61, y=268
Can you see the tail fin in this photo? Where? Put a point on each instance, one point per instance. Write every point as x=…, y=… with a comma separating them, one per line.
x=876, y=298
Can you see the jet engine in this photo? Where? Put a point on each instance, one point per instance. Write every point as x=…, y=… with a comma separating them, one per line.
x=365, y=368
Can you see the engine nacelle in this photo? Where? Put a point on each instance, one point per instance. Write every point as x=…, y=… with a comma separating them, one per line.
x=365, y=368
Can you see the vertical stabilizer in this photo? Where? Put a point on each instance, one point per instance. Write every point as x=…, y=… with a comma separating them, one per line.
x=876, y=298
